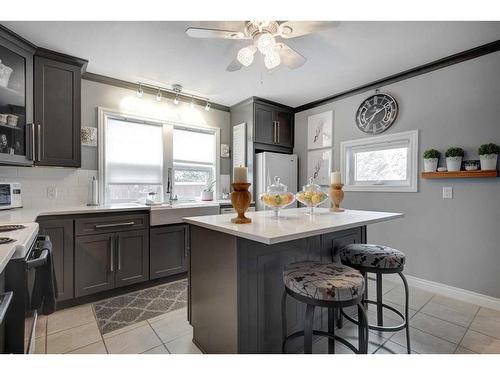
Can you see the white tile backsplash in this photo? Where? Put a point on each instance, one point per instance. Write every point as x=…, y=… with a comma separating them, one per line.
x=73, y=185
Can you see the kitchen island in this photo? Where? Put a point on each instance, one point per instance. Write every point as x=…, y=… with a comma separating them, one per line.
x=235, y=273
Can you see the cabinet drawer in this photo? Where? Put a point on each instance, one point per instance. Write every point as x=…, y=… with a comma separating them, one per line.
x=111, y=223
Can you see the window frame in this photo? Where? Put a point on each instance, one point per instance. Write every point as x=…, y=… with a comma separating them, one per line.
x=381, y=142
x=168, y=127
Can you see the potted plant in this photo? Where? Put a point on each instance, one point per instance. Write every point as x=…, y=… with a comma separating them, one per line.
x=488, y=155
x=208, y=193
x=431, y=159
x=454, y=157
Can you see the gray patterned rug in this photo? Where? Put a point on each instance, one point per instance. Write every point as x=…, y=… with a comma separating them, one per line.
x=134, y=307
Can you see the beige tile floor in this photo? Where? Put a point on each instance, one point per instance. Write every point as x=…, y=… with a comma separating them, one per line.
x=438, y=325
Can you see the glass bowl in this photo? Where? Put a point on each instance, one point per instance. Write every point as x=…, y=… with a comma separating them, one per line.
x=277, y=197
x=311, y=195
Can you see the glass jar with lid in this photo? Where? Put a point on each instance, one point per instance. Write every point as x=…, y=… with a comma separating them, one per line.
x=277, y=196
x=311, y=195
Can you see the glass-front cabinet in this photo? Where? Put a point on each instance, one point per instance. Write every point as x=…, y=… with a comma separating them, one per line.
x=16, y=100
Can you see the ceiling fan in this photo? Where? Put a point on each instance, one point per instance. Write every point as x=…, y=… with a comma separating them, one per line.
x=264, y=35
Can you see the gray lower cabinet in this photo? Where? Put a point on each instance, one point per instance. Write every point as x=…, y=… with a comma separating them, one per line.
x=168, y=250
x=60, y=232
x=94, y=264
x=132, y=257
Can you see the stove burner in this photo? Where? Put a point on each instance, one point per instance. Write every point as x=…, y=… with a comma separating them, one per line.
x=8, y=228
x=4, y=240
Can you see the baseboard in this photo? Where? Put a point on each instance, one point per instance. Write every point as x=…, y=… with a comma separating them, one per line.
x=449, y=291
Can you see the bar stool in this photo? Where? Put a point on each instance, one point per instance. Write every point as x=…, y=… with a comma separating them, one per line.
x=330, y=285
x=379, y=260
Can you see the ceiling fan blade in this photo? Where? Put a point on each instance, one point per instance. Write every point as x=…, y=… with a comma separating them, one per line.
x=293, y=29
x=196, y=32
x=234, y=66
x=289, y=57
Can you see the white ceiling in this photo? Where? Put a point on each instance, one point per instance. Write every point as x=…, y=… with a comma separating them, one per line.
x=161, y=53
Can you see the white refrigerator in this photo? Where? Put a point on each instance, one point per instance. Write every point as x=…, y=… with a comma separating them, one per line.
x=271, y=164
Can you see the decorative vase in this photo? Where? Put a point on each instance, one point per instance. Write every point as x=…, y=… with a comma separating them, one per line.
x=430, y=165
x=454, y=163
x=336, y=196
x=241, y=198
x=207, y=195
x=488, y=162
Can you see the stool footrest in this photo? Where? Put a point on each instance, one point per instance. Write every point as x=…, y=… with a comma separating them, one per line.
x=376, y=327
x=324, y=334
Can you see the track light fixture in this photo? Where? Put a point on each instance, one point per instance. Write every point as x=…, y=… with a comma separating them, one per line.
x=175, y=90
x=158, y=95
x=140, y=91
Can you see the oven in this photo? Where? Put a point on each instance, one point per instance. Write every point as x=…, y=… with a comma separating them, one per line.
x=10, y=195
x=21, y=278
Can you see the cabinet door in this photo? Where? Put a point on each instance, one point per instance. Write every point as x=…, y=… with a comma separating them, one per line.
x=264, y=128
x=168, y=251
x=94, y=264
x=284, y=122
x=57, y=113
x=61, y=236
x=132, y=257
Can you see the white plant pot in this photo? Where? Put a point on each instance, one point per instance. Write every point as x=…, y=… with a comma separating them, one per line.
x=430, y=165
x=207, y=195
x=454, y=163
x=488, y=162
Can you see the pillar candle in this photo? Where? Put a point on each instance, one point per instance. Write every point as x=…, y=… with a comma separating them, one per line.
x=240, y=174
x=335, y=178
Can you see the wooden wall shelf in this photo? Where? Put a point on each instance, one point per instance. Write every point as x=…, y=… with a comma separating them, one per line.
x=460, y=174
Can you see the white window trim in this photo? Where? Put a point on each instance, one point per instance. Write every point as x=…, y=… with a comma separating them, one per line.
x=409, y=136
x=168, y=126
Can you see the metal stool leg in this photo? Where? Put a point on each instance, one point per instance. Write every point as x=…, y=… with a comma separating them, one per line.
x=339, y=318
x=407, y=315
x=365, y=275
x=283, y=321
x=380, y=313
x=332, y=316
x=362, y=330
x=308, y=329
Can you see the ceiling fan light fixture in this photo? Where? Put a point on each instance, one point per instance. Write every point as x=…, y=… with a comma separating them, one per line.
x=272, y=60
x=266, y=43
x=245, y=55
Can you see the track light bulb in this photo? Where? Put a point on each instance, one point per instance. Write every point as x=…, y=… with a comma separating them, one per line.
x=158, y=96
x=207, y=107
x=191, y=104
x=176, y=100
x=140, y=91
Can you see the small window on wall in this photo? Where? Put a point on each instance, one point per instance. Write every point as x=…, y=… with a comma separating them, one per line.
x=194, y=160
x=381, y=163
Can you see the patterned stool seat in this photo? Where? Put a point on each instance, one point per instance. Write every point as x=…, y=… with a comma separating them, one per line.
x=372, y=256
x=324, y=281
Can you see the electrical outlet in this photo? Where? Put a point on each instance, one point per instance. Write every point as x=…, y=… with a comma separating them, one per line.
x=447, y=192
x=51, y=192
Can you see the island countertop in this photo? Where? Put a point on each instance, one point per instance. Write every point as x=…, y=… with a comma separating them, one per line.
x=293, y=223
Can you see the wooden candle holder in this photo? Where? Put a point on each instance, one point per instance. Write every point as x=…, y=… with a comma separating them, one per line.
x=241, y=198
x=336, y=196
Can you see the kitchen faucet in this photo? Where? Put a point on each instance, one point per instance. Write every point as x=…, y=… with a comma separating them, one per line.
x=169, y=190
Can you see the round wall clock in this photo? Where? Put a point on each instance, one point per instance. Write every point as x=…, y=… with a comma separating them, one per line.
x=377, y=113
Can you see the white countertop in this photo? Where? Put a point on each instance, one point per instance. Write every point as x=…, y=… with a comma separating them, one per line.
x=24, y=238
x=293, y=223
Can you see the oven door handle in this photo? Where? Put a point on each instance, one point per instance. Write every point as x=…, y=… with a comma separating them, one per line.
x=38, y=262
x=4, y=306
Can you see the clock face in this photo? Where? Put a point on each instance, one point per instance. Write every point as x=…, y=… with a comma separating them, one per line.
x=377, y=113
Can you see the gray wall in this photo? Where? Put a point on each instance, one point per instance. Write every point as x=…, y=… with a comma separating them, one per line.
x=100, y=95
x=454, y=242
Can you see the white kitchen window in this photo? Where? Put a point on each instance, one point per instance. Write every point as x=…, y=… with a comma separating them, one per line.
x=136, y=153
x=381, y=163
x=194, y=160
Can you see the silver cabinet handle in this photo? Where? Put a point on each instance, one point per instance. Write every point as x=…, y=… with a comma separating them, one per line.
x=278, y=131
x=31, y=153
x=39, y=140
x=111, y=255
x=274, y=131
x=127, y=224
x=119, y=253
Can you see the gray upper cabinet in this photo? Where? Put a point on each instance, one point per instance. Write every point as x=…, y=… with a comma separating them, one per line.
x=57, y=107
x=283, y=121
x=265, y=131
x=273, y=125
x=168, y=250
x=132, y=257
x=60, y=232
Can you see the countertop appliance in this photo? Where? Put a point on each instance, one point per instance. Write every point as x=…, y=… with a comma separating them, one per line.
x=271, y=164
x=20, y=278
x=10, y=195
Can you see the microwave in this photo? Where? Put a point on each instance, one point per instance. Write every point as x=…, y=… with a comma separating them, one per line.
x=10, y=195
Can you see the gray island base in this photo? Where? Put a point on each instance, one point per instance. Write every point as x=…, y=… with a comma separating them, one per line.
x=235, y=273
